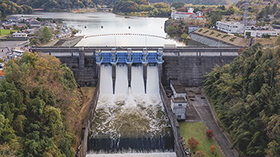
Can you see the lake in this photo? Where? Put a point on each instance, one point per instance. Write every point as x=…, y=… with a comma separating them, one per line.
x=101, y=29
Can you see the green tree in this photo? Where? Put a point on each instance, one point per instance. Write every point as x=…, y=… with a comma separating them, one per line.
x=46, y=35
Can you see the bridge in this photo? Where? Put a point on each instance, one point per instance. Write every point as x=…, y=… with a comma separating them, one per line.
x=124, y=34
x=168, y=51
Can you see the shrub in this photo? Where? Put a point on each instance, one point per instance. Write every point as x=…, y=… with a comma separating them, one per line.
x=266, y=35
x=209, y=134
x=193, y=143
x=206, y=31
x=213, y=149
x=232, y=39
x=212, y=32
x=199, y=154
x=200, y=30
x=225, y=36
x=218, y=35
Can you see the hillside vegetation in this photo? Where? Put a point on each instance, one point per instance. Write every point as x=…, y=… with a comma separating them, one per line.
x=246, y=97
x=38, y=101
x=9, y=7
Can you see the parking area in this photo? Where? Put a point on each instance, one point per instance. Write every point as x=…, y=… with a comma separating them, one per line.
x=5, y=45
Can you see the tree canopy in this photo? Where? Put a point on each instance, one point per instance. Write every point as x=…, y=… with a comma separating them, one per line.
x=246, y=96
x=38, y=98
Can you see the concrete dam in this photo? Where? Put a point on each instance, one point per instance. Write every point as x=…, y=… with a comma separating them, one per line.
x=187, y=64
x=130, y=111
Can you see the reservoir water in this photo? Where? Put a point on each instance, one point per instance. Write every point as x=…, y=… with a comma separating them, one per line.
x=108, y=25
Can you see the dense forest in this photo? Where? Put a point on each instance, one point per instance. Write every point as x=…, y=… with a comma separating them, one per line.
x=246, y=98
x=38, y=98
x=143, y=8
x=49, y=5
x=8, y=8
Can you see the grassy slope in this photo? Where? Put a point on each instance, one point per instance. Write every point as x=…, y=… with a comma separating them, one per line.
x=198, y=130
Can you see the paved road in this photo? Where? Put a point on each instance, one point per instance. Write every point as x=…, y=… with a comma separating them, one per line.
x=9, y=44
x=202, y=106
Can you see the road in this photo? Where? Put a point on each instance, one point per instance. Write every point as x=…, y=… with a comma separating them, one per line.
x=9, y=44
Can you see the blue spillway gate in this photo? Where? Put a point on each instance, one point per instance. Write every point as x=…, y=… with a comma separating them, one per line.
x=130, y=58
x=136, y=57
x=121, y=57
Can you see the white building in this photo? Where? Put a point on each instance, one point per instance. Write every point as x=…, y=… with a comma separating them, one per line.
x=19, y=35
x=187, y=15
x=181, y=15
x=259, y=33
x=230, y=26
x=179, y=101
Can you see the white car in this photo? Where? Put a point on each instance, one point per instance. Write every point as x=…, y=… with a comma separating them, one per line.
x=1, y=66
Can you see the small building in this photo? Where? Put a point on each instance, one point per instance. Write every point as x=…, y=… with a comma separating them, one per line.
x=179, y=101
x=19, y=35
x=230, y=26
x=181, y=15
x=260, y=33
x=8, y=25
x=179, y=107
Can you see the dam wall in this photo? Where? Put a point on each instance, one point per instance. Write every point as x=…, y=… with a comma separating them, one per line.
x=190, y=70
x=85, y=71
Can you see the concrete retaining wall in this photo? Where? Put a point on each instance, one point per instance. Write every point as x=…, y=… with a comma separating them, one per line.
x=82, y=149
x=206, y=41
x=174, y=123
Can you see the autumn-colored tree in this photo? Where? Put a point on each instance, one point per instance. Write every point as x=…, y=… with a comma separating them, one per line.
x=199, y=154
x=38, y=98
x=213, y=149
x=209, y=134
x=193, y=143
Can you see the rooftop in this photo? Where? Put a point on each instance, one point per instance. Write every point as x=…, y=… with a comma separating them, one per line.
x=179, y=100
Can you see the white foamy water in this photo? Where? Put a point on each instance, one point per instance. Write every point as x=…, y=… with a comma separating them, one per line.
x=152, y=80
x=137, y=81
x=106, y=82
x=130, y=114
x=159, y=154
x=121, y=86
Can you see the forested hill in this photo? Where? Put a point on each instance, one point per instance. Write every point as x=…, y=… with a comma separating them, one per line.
x=194, y=2
x=9, y=7
x=39, y=103
x=76, y=4
x=246, y=98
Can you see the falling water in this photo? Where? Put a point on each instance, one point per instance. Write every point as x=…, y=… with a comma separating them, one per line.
x=137, y=81
x=106, y=83
x=133, y=123
x=121, y=80
x=152, y=80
